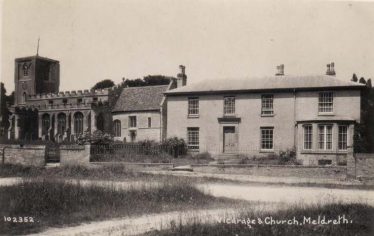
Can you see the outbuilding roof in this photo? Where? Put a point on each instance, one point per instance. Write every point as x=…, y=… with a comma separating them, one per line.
x=140, y=98
x=266, y=83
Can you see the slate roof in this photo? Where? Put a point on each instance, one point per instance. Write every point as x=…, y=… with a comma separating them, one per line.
x=265, y=83
x=140, y=98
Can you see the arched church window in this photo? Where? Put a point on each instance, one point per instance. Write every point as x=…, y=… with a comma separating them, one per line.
x=61, y=123
x=45, y=124
x=100, y=122
x=24, y=98
x=78, y=123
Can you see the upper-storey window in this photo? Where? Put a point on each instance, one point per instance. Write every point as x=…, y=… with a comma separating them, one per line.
x=229, y=106
x=325, y=102
x=193, y=106
x=267, y=104
x=132, y=121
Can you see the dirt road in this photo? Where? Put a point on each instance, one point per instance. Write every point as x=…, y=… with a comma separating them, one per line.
x=288, y=194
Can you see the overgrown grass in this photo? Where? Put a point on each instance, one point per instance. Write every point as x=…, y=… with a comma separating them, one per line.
x=54, y=202
x=121, y=172
x=79, y=172
x=362, y=217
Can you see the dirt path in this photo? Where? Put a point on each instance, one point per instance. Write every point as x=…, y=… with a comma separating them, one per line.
x=10, y=181
x=288, y=194
x=139, y=225
x=258, y=179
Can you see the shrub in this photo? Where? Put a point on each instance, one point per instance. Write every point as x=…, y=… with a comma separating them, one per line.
x=175, y=146
x=97, y=137
x=287, y=157
x=203, y=155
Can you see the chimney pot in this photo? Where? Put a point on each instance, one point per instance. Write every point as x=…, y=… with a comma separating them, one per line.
x=181, y=77
x=183, y=69
x=330, y=69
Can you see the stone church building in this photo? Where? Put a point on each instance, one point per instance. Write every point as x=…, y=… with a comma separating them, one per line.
x=41, y=111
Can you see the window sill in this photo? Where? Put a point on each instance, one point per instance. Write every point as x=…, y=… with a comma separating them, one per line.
x=326, y=113
x=193, y=116
x=229, y=115
x=324, y=152
x=267, y=115
x=193, y=150
x=266, y=150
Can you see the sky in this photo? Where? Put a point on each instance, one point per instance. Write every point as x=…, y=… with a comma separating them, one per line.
x=220, y=39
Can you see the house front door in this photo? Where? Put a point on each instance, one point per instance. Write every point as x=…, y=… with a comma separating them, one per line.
x=230, y=139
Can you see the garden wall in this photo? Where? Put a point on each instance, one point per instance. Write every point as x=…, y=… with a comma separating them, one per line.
x=330, y=172
x=361, y=166
x=32, y=155
x=74, y=155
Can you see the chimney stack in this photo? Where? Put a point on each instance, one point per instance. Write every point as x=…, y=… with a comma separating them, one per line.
x=330, y=69
x=181, y=77
x=280, y=70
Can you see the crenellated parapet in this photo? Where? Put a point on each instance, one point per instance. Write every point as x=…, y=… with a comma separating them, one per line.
x=71, y=94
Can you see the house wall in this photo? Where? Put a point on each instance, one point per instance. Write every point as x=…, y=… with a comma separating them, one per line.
x=142, y=130
x=288, y=108
x=247, y=107
x=346, y=105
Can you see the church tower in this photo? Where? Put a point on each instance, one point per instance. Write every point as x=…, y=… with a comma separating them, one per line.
x=35, y=75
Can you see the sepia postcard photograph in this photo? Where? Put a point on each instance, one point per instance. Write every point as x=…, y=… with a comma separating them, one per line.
x=186, y=117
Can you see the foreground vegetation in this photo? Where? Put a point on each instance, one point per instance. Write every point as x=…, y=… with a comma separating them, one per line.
x=113, y=172
x=55, y=203
x=360, y=223
x=119, y=172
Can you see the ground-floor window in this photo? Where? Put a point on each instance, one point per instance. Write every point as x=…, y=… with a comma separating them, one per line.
x=325, y=137
x=267, y=138
x=308, y=137
x=193, y=138
x=133, y=135
x=342, y=139
x=117, y=128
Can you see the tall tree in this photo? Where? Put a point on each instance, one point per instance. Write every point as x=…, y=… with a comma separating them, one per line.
x=4, y=112
x=107, y=83
x=364, y=132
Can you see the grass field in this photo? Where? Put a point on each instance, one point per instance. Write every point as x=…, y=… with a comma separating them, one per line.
x=360, y=222
x=53, y=202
